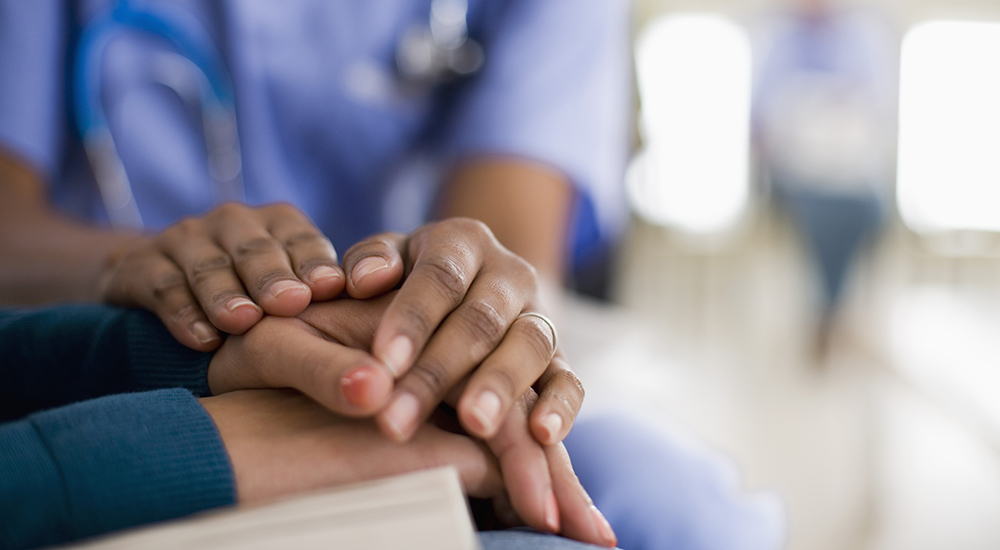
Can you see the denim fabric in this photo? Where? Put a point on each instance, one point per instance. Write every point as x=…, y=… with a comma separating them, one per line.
x=519, y=539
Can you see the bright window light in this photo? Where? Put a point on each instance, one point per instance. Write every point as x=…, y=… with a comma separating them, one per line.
x=694, y=76
x=949, y=127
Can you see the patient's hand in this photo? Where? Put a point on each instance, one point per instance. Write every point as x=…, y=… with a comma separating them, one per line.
x=324, y=354
x=281, y=442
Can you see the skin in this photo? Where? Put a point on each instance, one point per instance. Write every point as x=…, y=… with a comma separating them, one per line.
x=223, y=271
x=282, y=443
x=525, y=204
x=334, y=339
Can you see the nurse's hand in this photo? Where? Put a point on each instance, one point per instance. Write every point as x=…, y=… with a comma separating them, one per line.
x=459, y=311
x=223, y=271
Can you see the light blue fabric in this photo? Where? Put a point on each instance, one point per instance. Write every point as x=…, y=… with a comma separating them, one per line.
x=659, y=493
x=324, y=123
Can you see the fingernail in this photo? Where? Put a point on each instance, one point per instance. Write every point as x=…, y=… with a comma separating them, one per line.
x=603, y=527
x=280, y=287
x=235, y=303
x=367, y=266
x=356, y=386
x=323, y=273
x=397, y=354
x=401, y=415
x=552, y=512
x=553, y=424
x=204, y=333
x=485, y=410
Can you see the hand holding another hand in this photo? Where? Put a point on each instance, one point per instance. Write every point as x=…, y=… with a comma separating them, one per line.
x=224, y=271
x=459, y=311
x=325, y=354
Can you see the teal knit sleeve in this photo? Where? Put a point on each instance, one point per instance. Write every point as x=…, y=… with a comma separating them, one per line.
x=58, y=355
x=109, y=463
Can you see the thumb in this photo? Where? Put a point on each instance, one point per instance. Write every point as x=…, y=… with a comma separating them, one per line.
x=289, y=353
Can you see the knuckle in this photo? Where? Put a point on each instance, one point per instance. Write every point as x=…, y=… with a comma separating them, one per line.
x=484, y=322
x=228, y=210
x=167, y=283
x=183, y=229
x=183, y=315
x=208, y=266
x=470, y=226
x=568, y=384
x=418, y=319
x=307, y=237
x=539, y=337
x=283, y=209
x=431, y=377
x=448, y=277
x=257, y=246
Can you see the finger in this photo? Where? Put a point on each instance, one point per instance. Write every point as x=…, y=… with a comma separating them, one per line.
x=153, y=282
x=504, y=376
x=443, y=271
x=579, y=518
x=465, y=338
x=311, y=254
x=560, y=398
x=290, y=353
x=525, y=470
x=212, y=280
x=375, y=265
x=261, y=261
x=346, y=321
x=476, y=465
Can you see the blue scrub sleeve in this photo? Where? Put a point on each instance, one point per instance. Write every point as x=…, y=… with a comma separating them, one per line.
x=32, y=103
x=110, y=463
x=555, y=88
x=58, y=355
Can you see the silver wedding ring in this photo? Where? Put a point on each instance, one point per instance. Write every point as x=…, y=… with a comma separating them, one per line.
x=547, y=321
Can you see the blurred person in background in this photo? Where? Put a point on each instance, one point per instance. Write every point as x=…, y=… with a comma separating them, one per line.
x=124, y=125
x=824, y=108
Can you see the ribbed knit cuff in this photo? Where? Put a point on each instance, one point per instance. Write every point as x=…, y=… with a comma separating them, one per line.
x=136, y=458
x=32, y=500
x=159, y=361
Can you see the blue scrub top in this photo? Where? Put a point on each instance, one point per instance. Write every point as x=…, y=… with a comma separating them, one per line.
x=324, y=123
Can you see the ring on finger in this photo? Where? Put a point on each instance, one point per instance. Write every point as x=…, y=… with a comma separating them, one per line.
x=548, y=322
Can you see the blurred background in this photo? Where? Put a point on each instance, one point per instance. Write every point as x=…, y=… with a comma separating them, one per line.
x=811, y=282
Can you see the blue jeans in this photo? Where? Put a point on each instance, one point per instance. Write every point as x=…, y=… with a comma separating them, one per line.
x=519, y=539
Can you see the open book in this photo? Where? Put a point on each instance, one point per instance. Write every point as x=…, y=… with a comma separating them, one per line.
x=421, y=510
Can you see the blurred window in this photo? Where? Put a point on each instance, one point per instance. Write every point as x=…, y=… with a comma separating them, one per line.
x=949, y=127
x=694, y=74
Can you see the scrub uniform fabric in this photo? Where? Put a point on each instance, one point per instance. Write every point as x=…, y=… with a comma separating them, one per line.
x=325, y=124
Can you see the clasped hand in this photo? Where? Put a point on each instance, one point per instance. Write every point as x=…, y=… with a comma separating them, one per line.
x=450, y=332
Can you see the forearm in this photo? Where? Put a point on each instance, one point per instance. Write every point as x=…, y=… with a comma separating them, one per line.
x=46, y=257
x=525, y=204
x=107, y=464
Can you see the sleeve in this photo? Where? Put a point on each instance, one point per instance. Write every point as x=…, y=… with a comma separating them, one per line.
x=32, y=67
x=55, y=356
x=554, y=88
x=107, y=464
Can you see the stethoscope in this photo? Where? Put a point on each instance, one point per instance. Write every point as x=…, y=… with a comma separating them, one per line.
x=426, y=55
